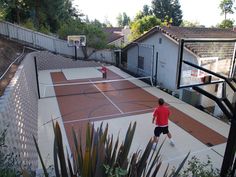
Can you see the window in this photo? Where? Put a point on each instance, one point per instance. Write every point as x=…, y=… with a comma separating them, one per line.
x=140, y=62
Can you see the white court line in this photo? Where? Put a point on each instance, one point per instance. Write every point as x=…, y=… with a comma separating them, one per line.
x=95, y=82
x=107, y=98
x=99, y=117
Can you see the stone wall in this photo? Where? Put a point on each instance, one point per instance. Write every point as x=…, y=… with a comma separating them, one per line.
x=47, y=61
x=19, y=112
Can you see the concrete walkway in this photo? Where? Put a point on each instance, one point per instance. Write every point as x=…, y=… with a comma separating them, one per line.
x=185, y=142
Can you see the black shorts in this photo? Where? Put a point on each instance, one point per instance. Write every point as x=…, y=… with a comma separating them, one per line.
x=159, y=130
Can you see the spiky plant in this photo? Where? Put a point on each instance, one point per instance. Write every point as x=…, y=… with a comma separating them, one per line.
x=101, y=156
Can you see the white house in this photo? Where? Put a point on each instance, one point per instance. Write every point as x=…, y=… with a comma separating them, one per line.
x=156, y=54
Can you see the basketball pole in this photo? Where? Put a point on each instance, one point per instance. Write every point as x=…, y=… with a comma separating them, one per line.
x=230, y=149
x=75, y=52
x=229, y=161
x=37, y=77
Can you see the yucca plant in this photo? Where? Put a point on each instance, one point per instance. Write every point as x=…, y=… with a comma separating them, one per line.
x=101, y=156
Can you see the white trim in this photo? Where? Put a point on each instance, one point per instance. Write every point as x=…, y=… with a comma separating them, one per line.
x=177, y=43
x=94, y=82
x=107, y=98
x=99, y=117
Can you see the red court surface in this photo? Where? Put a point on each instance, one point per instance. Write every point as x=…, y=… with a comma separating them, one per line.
x=79, y=104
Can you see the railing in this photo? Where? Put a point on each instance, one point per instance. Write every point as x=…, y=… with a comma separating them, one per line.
x=37, y=39
x=16, y=60
x=50, y=43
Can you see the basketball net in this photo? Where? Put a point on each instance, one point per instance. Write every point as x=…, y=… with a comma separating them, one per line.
x=77, y=44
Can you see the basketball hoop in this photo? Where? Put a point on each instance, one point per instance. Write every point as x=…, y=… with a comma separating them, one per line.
x=77, y=44
x=76, y=41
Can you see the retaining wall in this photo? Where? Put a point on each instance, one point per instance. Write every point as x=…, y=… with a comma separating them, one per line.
x=47, y=60
x=19, y=111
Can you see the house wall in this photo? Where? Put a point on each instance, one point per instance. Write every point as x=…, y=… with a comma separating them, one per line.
x=132, y=59
x=166, y=62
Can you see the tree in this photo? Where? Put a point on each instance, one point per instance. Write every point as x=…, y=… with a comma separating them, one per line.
x=142, y=25
x=167, y=10
x=226, y=7
x=46, y=15
x=123, y=20
x=15, y=11
x=186, y=23
x=226, y=24
x=146, y=10
x=139, y=15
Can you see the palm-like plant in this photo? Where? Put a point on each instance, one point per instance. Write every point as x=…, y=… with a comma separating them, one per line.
x=103, y=157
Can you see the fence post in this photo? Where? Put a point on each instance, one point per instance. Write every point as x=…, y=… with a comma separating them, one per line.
x=8, y=31
x=37, y=77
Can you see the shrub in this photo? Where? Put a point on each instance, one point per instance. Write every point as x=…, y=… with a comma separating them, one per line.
x=9, y=162
x=197, y=168
x=101, y=156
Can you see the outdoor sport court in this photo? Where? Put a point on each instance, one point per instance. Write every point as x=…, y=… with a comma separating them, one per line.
x=80, y=98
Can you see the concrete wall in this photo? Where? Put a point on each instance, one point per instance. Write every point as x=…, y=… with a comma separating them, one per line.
x=105, y=55
x=19, y=111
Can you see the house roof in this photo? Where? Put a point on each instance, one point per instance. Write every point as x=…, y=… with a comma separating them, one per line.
x=113, y=33
x=200, y=49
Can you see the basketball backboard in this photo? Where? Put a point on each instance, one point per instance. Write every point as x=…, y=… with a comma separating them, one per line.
x=76, y=40
x=205, y=61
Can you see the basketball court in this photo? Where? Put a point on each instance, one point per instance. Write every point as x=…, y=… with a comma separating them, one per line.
x=77, y=96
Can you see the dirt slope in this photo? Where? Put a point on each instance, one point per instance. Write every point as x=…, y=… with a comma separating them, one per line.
x=9, y=51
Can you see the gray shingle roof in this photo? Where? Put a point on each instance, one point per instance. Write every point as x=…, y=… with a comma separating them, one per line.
x=113, y=34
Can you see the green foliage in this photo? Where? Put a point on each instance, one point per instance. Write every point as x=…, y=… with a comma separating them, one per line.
x=96, y=38
x=226, y=7
x=226, y=24
x=186, y=23
x=123, y=20
x=45, y=14
x=142, y=25
x=101, y=156
x=9, y=162
x=198, y=168
x=114, y=172
x=2, y=14
x=139, y=15
x=146, y=10
x=15, y=11
x=29, y=24
x=170, y=9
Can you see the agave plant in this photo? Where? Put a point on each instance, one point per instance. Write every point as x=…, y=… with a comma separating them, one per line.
x=101, y=156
